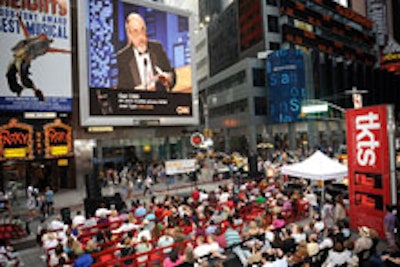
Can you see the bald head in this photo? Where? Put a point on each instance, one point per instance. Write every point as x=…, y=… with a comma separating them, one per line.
x=136, y=32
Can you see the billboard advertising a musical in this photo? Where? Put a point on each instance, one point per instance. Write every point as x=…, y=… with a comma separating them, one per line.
x=35, y=56
x=136, y=64
x=23, y=139
x=286, y=82
x=368, y=162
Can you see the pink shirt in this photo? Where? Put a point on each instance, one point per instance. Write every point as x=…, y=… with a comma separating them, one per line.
x=169, y=263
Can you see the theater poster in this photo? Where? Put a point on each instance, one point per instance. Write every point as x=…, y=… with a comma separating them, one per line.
x=35, y=139
x=35, y=52
x=370, y=179
x=119, y=83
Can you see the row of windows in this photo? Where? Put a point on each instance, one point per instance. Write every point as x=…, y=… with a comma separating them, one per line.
x=271, y=2
x=236, y=107
x=241, y=106
x=273, y=23
x=230, y=82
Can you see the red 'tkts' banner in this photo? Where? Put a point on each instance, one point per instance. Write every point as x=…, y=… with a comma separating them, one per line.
x=369, y=166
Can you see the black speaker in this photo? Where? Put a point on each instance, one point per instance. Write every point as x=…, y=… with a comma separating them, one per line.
x=252, y=162
x=93, y=189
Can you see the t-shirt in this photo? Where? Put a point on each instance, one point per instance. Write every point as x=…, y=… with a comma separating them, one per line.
x=201, y=250
x=232, y=237
x=168, y=263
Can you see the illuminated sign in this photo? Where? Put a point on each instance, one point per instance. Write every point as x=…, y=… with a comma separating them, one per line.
x=16, y=141
x=124, y=85
x=298, y=36
x=58, y=139
x=286, y=82
x=390, y=58
x=326, y=23
x=369, y=180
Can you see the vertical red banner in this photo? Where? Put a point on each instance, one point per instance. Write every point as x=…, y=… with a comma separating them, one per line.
x=368, y=163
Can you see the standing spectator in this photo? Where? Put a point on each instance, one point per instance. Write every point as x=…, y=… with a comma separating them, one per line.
x=49, y=196
x=327, y=214
x=313, y=200
x=340, y=209
x=389, y=223
x=147, y=185
x=31, y=204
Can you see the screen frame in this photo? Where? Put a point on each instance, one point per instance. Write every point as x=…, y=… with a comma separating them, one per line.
x=86, y=119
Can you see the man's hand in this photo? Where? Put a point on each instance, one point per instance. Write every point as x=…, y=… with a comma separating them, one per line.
x=164, y=77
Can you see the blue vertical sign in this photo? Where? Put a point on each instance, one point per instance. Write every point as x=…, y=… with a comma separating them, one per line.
x=286, y=81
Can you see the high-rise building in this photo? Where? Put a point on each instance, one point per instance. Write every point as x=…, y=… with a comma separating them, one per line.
x=340, y=52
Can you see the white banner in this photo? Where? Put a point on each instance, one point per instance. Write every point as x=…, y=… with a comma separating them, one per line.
x=180, y=166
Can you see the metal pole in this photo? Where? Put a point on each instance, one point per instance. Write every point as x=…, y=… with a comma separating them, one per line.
x=391, y=127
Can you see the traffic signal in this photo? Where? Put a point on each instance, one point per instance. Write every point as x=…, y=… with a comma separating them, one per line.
x=196, y=139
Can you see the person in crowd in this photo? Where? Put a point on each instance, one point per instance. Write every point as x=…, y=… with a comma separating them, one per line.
x=337, y=256
x=8, y=256
x=313, y=200
x=166, y=240
x=389, y=224
x=364, y=241
x=49, y=200
x=148, y=183
x=300, y=253
x=173, y=259
x=83, y=259
x=339, y=210
x=312, y=245
x=79, y=220
x=143, y=246
x=327, y=214
x=102, y=211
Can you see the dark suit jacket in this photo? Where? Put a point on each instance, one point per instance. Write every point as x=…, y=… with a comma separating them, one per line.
x=128, y=74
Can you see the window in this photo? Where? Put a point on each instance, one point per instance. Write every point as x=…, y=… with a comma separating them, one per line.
x=273, y=25
x=271, y=2
x=260, y=106
x=258, y=77
x=274, y=46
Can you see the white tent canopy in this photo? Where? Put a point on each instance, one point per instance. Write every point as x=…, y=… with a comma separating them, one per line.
x=316, y=167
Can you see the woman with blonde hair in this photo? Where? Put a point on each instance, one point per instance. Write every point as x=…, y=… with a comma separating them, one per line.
x=143, y=246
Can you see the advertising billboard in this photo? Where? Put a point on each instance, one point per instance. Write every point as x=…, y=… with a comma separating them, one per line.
x=27, y=139
x=136, y=64
x=35, y=56
x=369, y=166
x=286, y=82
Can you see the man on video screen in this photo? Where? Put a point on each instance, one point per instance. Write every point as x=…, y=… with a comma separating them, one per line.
x=143, y=64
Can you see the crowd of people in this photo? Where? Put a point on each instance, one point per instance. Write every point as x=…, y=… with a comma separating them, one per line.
x=255, y=221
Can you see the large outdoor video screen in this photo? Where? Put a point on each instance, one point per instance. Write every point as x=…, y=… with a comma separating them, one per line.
x=135, y=64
